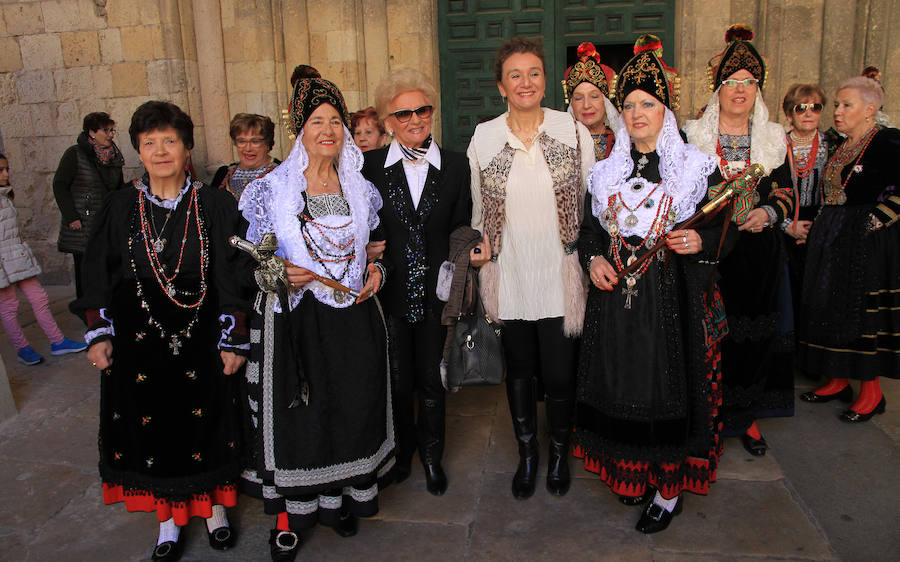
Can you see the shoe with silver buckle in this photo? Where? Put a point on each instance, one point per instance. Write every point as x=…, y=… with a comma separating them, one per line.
x=285, y=545
x=169, y=551
x=222, y=538
x=656, y=518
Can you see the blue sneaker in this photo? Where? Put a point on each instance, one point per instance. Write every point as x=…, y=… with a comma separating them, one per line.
x=29, y=356
x=67, y=346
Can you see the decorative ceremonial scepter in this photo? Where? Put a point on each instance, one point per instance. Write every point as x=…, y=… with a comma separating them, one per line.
x=735, y=187
x=271, y=275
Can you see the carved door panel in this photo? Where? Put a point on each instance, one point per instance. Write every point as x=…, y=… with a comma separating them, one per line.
x=471, y=30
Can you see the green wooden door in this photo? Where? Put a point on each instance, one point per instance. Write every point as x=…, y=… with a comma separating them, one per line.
x=471, y=30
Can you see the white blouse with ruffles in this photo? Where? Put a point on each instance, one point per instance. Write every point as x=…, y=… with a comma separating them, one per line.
x=530, y=260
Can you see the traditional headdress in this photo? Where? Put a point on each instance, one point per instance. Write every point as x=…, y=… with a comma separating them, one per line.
x=310, y=93
x=739, y=54
x=646, y=71
x=873, y=73
x=588, y=69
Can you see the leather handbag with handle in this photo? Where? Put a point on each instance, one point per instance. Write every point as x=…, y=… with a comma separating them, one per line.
x=476, y=354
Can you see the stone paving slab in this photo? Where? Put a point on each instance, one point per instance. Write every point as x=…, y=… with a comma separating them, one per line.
x=587, y=523
x=746, y=519
x=32, y=493
x=467, y=440
x=736, y=463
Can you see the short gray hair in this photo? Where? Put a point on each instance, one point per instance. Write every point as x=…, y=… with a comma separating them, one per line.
x=869, y=90
x=400, y=81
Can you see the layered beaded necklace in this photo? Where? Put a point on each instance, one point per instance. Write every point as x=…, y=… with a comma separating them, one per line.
x=806, y=163
x=665, y=217
x=165, y=281
x=327, y=250
x=835, y=193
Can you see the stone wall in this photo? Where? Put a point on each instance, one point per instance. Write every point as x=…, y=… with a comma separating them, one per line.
x=61, y=59
x=814, y=41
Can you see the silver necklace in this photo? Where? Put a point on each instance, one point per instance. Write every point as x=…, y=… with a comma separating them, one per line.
x=158, y=243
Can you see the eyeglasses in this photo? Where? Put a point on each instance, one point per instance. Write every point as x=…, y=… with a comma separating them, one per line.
x=109, y=130
x=745, y=82
x=804, y=107
x=254, y=142
x=405, y=115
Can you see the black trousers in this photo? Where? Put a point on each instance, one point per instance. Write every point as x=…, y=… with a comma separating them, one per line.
x=415, y=351
x=537, y=349
x=77, y=258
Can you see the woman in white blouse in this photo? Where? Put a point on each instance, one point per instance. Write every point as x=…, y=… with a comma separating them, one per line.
x=529, y=167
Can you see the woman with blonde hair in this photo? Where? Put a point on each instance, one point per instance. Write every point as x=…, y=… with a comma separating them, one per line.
x=425, y=189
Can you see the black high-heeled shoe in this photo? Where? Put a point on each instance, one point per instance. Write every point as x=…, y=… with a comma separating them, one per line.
x=656, y=518
x=852, y=416
x=756, y=447
x=844, y=395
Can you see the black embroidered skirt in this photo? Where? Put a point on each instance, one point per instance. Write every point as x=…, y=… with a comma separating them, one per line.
x=850, y=321
x=308, y=460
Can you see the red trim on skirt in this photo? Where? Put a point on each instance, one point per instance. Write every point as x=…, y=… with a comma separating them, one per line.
x=200, y=505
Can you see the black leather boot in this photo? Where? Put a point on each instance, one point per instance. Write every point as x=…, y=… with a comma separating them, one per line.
x=431, y=443
x=522, y=406
x=559, y=416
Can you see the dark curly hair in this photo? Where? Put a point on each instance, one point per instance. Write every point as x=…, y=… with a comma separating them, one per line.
x=96, y=121
x=362, y=115
x=156, y=115
x=514, y=46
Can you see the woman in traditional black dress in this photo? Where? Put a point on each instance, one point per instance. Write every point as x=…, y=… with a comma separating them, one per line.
x=318, y=381
x=166, y=309
x=758, y=354
x=649, y=372
x=586, y=85
x=851, y=310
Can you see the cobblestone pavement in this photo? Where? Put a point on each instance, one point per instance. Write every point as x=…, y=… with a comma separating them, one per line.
x=825, y=491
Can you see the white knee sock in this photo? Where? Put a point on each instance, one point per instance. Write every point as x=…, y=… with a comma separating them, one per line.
x=168, y=531
x=218, y=519
x=668, y=505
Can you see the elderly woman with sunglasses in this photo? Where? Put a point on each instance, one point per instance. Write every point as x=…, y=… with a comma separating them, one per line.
x=808, y=152
x=425, y=190
x=757, y=369
x=253, y=137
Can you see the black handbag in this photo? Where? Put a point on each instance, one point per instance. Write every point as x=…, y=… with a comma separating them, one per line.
x=476, y=353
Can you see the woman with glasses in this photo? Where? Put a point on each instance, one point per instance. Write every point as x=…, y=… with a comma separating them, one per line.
x=851, y=313
x=757, y=355
x=253, y=136
x=425, y=190
x=807, y=154
x=87, y=172
x=529, y=170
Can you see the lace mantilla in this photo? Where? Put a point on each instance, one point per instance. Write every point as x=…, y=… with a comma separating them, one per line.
x=683, y=168
x=767, y=141
x=273, y=202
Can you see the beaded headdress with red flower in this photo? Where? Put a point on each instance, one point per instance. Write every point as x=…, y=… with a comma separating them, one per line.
x=739, y=54
x=646, y=71
x=588, y=69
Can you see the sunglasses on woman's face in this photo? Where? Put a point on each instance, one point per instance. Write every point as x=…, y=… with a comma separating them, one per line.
x=804, y=107
x=405, y=115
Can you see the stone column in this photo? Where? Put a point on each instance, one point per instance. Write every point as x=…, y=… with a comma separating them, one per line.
x=213, y=90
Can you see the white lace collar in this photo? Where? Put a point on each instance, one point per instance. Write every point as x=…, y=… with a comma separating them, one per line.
x=682, y=167
x=272, y=203
x=767, y=140
x=144, y=187
x=490, y=137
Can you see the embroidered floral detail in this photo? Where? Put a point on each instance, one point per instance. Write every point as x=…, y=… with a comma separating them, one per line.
x=145, y=420
x=139, y=336
x=118, y=456
x=141, y=377
x=150, y=461
x=857, y=169
x=231, y=444
x=116, y=416
x=197, y=457
x=191, y=375
x=198, y=412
